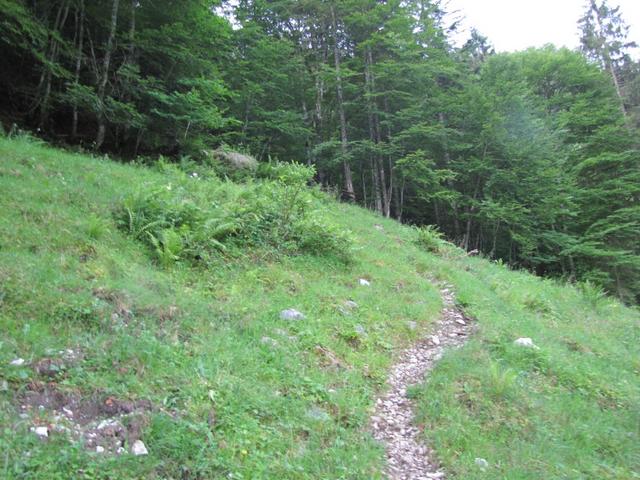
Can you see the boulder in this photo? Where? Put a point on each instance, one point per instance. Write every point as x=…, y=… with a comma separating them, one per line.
x=235, y=160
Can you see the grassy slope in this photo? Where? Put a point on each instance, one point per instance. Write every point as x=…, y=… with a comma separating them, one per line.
x=565, y=411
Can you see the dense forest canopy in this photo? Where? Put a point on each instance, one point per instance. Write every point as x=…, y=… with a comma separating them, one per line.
x=529, y=157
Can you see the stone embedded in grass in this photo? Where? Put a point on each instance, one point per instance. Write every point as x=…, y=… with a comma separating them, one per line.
x=379, y=227
x=411, y=325
x=526, y=342
x=18, y=362
x=139, y=448
x=42, y=432
x=292, y=314
x=99, y=449
x=481, y=463
x=360, y=330
x=347, y=307
x=318, y=414
x=364, y=282
x=269, y=341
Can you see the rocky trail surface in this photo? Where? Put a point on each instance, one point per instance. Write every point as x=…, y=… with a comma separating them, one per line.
x=408, y=457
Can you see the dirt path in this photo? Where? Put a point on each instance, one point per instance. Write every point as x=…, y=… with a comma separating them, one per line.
x=408, y=458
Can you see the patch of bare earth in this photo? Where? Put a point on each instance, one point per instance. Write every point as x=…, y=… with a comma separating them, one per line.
x=101, y=423
x=408, y=457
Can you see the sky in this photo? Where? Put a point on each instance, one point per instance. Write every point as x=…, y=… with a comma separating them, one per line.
x=518, y=24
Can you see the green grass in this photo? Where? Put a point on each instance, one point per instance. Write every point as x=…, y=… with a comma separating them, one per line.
x=193, y=345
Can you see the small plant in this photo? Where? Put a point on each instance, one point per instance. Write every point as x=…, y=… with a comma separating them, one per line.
x=96, y=227
x=323, y=238
x=168, y=247
x=592, y=293
x=500, y=381
x=430, y=239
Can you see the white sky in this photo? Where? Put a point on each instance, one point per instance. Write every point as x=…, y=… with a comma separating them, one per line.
x=518, y=24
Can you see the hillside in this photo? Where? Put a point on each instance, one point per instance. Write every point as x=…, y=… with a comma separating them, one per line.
x=190, y=354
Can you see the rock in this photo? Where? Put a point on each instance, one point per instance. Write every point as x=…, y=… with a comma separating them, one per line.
x=411, y=325
x=474, y=253
x=235, y=160
x=379, y=227
x=269, y=341
x=350, y=304
x=360, y=330
x=99, y=449
x=42, y=432
x=18, y=362
x=364, y=282
x=317, y=413
x=526, y=342
x=139, y=448
x=435, y=340
x=292, y=314
x=481, y=463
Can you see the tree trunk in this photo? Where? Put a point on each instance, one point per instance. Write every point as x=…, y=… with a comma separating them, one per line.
x=348, y=192
x=74, y=126
x=47, y=76
x=447, y=161
x=102, y=85
x=373, y=135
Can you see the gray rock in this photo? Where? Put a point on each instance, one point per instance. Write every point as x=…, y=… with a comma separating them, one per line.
x=292, y=314
x=42, y=432
x=235, y=160
x=360, y=330
x=350, y=304
x=269, y=341
x=481, y=463
x=526, y=343
x=139, y=448
x=364, y=282
x=318, y=414
x=412, y=325
x=18, y=362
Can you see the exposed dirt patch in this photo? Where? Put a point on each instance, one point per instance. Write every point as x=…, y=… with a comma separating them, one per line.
x=408, y=457
x=102, y=423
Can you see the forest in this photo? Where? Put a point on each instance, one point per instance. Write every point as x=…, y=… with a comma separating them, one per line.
x=531, y=158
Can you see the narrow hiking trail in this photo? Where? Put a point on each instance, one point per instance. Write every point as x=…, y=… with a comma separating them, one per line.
x=408, y=457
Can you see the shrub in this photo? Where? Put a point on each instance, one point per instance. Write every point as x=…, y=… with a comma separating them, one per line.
x=195, y=220
x=320, y=237
x=430, y=239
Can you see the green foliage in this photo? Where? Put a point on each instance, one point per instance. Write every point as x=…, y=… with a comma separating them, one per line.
x=430, y=239
x=196, y=220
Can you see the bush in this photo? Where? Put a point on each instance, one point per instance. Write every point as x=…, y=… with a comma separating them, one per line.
x=320, y=237
x=195, y=219
x=430, y=239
